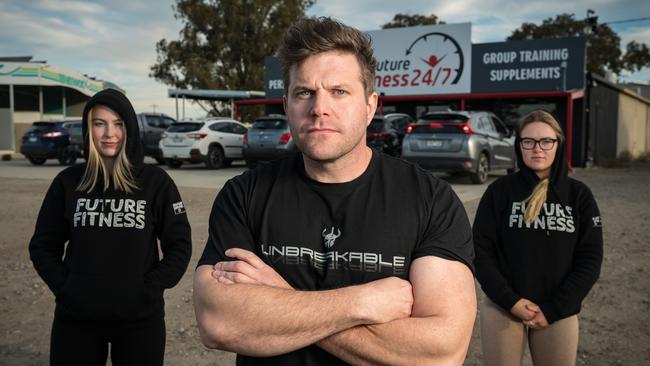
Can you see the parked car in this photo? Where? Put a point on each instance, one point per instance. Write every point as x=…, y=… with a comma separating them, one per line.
x=268, y=139
x=47, y=140
x=382, y=135
x=216, y=142
x=473, y=143
x=400, y=122
x=76, y=146
x=152, y=126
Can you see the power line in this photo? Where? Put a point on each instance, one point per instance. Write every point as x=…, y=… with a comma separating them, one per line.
x=627, y=20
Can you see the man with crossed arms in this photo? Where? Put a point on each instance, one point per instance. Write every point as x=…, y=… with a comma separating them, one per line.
x=339, y=254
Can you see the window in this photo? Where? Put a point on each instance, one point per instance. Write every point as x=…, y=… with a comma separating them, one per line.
x=154, y=121
x=489, y=126
x=447, y=118
x=239, y=129
x=483, y=124
x=4, y=96
x=166, y=122
x=221, y=127
x=52, y=100
x=270, y=124
x=185, y=127
x=26, y=98
x=500, y=127
x=401, y=123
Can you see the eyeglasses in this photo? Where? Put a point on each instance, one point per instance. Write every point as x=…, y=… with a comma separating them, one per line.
x=544, y=144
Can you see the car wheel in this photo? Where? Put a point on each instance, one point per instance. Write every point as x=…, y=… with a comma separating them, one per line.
x=67, y=157
x=215, y=159
x=36, y=161
x=482, y=169
x=174, y=164
x=227, y=162
x=160, y=160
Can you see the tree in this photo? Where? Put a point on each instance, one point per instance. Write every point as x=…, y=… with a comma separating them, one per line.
x=603, y=44
x=223, y=44
x=637, y=56
x=406, y=20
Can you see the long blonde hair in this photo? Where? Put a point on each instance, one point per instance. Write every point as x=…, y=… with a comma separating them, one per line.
x=536, y=199
x=120, y=176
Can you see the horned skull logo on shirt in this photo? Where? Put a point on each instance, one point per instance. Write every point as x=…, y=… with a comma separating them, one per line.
x=330, y=237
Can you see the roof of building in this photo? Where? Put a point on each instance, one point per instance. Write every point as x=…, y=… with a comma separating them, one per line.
x=601, y=80
x=22, y=70
x=19, y=59
x=209, y=94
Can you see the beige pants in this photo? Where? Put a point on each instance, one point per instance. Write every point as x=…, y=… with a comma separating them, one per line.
x=504, y=339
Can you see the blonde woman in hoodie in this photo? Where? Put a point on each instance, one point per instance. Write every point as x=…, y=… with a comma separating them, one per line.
x=115, y=213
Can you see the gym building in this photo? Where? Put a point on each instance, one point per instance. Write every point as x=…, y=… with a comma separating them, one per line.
x=33, y=91
x=431, y=68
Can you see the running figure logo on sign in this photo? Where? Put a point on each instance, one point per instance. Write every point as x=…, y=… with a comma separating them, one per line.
x=329, y=238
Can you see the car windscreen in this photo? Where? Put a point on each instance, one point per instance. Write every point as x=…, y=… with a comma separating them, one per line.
x=270, y=124
x=185, y=126
x=376, y=125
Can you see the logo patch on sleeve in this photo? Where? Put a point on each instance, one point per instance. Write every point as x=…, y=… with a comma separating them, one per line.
x=178, y=208
x=597, y=221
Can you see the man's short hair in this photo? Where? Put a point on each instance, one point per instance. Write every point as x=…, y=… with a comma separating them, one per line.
x=311, y=36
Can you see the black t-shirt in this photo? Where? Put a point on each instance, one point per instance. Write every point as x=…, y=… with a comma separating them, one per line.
x=321, y=236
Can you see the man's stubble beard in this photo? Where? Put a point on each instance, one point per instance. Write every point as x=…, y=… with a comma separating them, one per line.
x=336, y=155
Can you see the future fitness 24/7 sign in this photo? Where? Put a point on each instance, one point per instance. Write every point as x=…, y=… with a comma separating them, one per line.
x=423, y=60
x=410, y=61
x=440, y=59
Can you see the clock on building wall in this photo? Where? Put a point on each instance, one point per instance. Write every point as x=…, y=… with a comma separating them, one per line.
x=439, y=58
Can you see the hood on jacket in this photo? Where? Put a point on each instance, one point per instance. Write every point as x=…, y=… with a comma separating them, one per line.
x=118, y=102
x=559, y=177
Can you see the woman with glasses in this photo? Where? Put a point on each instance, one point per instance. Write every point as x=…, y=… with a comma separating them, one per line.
x=539, y=247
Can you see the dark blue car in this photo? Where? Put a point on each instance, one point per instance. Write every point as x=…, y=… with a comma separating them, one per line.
x=48, y=140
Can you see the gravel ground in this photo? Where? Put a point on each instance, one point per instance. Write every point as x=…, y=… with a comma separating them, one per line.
x=614, y=321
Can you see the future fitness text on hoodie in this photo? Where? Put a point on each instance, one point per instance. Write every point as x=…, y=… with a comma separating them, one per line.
x=556, y=259
x=110, y=270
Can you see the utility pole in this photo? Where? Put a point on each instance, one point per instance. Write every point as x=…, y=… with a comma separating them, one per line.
x=154, y=107
x=591, y=22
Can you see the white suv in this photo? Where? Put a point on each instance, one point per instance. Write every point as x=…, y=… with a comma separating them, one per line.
x=217, y=142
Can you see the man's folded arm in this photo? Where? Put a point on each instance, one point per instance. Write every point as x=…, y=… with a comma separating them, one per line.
x=438, y=331
x=262, y=321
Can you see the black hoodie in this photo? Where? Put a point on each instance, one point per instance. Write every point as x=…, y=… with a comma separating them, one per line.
x=553, y=262
x=110, y=271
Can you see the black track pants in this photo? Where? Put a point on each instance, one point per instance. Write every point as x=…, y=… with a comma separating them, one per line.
x=76, y=343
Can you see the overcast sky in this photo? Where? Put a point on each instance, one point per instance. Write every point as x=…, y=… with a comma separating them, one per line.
x=115, y=40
